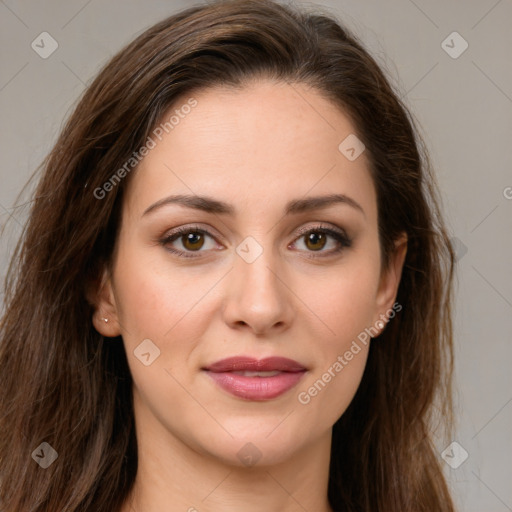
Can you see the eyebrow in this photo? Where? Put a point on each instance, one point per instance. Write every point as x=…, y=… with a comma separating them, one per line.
x=210, y=205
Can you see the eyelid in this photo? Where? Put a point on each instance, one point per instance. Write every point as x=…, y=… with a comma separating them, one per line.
x=329, y=227
x=191, y=228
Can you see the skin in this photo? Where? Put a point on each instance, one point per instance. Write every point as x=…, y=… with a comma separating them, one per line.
x=256, y=148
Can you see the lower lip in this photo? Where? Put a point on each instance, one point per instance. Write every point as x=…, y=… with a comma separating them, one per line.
x=256, y=388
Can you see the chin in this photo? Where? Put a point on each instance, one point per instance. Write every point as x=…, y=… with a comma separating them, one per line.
x=254, y=447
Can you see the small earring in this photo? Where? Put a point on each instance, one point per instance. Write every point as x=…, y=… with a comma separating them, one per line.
x=106, y=320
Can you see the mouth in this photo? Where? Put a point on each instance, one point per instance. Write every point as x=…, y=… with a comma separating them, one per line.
x=258, y=380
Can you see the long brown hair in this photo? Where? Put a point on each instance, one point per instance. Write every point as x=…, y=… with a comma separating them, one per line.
x=65, y=384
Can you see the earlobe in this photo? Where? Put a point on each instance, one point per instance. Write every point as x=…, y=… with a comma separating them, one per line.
x=104, y=325
x=104, y=318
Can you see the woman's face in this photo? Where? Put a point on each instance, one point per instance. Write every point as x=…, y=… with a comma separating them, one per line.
x=252, y=276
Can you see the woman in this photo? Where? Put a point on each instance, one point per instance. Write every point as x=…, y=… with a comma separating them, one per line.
x=234, y=288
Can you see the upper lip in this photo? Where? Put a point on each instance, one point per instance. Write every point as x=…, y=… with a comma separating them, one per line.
x=244, y=363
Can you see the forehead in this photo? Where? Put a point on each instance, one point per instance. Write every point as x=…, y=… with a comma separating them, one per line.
x=262, y=144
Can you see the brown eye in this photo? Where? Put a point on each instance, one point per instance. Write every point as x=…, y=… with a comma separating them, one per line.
x=322, y=240
x=193, y=241
x=315, y=240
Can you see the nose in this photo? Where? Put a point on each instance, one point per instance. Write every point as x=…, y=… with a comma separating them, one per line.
x=258, y=296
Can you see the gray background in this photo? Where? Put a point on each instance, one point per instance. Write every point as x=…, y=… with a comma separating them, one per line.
x=463, y=105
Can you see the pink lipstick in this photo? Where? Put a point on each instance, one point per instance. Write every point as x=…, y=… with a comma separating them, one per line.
x=252, y=379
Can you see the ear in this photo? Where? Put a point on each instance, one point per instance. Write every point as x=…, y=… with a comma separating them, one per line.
x=390, y=279
x=105, y=317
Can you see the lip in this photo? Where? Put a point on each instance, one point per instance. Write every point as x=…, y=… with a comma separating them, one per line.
x=250, y=364
x=256, y=388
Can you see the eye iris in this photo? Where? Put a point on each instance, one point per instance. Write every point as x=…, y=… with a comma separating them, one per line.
x=315, y=238
x=192, y=238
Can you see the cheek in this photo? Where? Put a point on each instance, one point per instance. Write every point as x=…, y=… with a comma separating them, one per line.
x=341, y=352
x=164, y=304
x=330, y=389
x=346, y=306
x=154, y=296
x=164, y=307
x=345, y=299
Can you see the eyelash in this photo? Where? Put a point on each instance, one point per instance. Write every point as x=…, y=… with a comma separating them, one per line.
x=343, y=240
